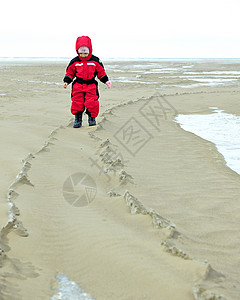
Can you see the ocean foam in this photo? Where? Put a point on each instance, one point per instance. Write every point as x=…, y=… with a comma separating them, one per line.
x=214, y=72
x=69, y=290
x=221, y=128
x=37, y=81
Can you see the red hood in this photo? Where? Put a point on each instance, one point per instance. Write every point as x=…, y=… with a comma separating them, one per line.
x=84, y=41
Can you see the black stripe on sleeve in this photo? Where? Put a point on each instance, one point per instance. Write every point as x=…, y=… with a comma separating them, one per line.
x=104, y=79
x=67, y=79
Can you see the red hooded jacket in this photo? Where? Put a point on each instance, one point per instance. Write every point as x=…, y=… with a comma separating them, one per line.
x=85, y=69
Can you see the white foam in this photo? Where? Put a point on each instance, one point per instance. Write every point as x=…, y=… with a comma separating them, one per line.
x=187, y=67
x=213, y=80
x=226, y=76
x=34, y=59
x=209, y=83
x=221, y=128
x=69, y=290
x=135, y=79
x=37, y=81
x=214, y=72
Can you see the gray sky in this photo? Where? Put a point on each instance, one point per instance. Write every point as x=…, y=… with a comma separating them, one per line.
x=161, y=29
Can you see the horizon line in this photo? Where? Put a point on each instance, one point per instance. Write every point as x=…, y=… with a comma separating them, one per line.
x=68, y=57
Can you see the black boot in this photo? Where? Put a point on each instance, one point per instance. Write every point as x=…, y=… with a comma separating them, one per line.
x=91, y=121
x=78, y=120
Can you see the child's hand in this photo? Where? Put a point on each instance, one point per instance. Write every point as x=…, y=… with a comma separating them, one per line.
x=65, y=85
x=108, y=83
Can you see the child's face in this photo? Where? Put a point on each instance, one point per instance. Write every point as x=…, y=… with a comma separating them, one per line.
x=83, y=54
x=83, y=51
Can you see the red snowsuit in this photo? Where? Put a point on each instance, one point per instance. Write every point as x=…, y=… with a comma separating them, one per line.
x=85, y=87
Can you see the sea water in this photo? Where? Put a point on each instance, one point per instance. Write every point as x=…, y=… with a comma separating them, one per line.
x=221, y=128
x=184, y=69
x=69, y=289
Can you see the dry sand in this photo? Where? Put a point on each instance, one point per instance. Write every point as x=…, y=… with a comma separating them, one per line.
x=156, y=215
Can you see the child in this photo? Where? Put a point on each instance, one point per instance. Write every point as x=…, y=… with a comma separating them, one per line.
x=84, y=68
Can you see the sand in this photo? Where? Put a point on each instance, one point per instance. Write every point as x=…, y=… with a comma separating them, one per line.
x=133, y=208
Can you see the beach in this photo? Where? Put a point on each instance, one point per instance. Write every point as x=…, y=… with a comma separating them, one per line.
x=135, y=207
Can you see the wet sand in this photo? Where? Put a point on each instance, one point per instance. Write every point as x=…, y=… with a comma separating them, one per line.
x=133, y=208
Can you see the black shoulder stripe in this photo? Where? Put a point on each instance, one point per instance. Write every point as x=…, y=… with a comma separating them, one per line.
x=95, y=58
x=75, y=59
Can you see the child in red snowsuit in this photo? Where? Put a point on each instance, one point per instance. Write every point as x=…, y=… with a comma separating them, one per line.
x=83, y=69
